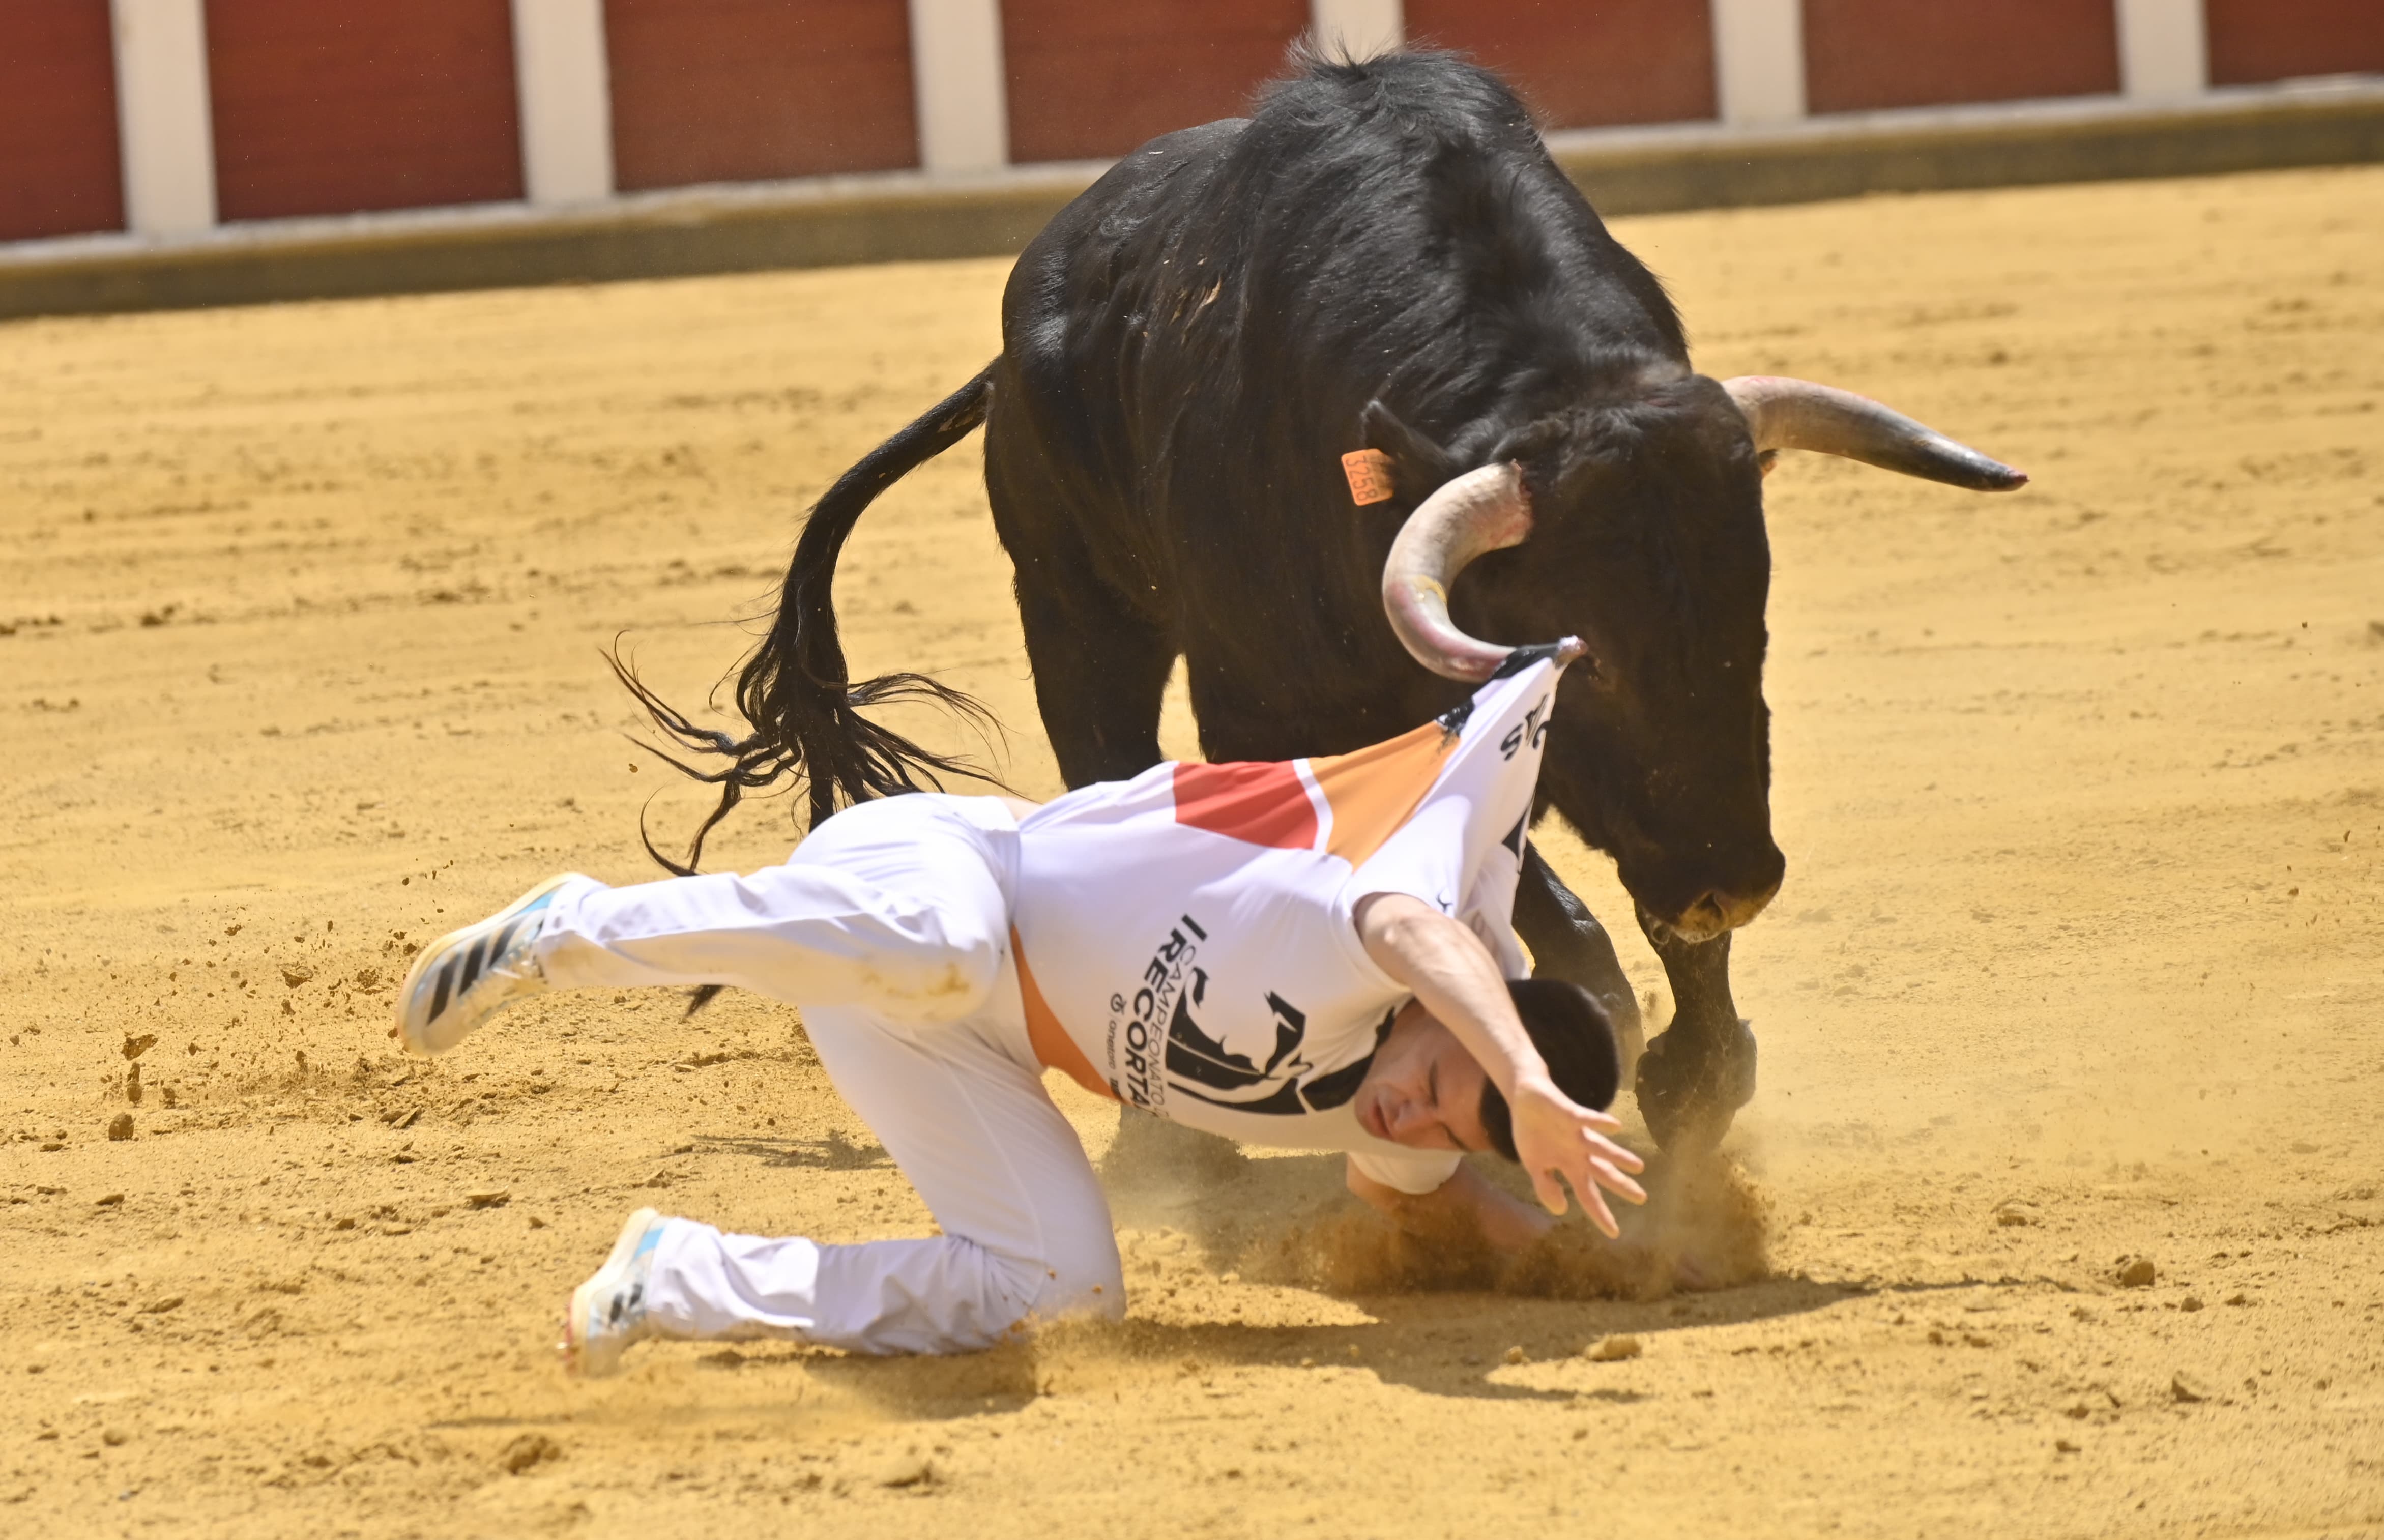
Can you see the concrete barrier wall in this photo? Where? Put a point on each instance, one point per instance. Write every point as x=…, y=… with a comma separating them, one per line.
x=1923, y=152
x=914, y=218
x=559, y=138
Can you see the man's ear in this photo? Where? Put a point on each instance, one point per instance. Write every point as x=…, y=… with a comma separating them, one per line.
x=1417, y=465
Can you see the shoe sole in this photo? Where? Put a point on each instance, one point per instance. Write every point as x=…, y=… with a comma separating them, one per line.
x=573, y=1344
x=439, y=950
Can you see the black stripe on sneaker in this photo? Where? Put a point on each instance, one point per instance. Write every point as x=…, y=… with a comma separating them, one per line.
x=521, y=927
x=472, y=961
x=439, y=997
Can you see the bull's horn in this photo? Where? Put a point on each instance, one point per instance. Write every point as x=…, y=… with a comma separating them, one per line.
x=1482, y=509
x=1797, y=414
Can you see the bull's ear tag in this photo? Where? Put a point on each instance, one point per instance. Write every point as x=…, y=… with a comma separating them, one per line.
x=1370, y=476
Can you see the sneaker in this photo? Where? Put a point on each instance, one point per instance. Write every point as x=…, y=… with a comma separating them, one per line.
x=608, y=1312
x=468, y=975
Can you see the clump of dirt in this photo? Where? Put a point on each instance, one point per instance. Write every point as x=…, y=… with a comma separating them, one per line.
x=528, y=1451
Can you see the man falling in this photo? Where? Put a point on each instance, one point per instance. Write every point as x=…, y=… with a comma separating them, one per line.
x=1312, y=955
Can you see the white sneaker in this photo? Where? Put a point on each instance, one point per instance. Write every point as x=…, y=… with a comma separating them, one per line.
x=468, y=975
x=608, y=1312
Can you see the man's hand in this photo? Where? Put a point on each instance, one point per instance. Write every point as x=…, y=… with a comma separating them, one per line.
x=1555, y=1137
x=1453, y=975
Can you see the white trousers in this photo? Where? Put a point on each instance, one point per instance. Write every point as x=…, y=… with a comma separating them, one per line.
x=891, y=928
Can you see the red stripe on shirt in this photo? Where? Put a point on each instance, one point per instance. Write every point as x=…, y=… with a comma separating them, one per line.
x=1259, y=803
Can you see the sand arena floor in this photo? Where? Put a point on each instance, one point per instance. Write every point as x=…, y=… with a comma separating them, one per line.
x=2078, y=957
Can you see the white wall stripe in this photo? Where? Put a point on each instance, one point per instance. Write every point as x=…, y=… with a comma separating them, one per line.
x=168, y=141
x=566, y=102
x=1759, y=60
x=2164, y=49
x=956, y=69
x=167, y=136
x=1363, y=27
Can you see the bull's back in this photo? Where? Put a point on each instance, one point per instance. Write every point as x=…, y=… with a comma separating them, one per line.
x=1071, y=318
x=1189, y=345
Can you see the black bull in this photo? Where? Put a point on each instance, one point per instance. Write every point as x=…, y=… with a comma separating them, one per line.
x=1383, y=257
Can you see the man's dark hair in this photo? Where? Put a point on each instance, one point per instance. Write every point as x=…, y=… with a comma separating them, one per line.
x=1570, y=1028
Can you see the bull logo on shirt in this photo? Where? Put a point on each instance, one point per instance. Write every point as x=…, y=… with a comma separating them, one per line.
x=1284, y=1086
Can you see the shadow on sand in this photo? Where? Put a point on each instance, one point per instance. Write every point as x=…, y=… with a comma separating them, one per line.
x=1445, y=1346
x=1442, y=1315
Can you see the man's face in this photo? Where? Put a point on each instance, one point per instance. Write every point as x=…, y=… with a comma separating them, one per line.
x=1422, y=1090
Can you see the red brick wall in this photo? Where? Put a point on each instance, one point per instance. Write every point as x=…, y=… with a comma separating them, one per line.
x=331, y=106
x=2256, y=40
x=750, y=90
x=60, y=171
x=1861, y=55
x=1091, y=78
x=1587, y=62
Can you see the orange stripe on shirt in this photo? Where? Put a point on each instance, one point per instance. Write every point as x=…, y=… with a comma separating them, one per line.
x=1375, y=790
x=1054, y=1050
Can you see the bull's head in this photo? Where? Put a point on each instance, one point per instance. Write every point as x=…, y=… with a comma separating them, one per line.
x=1650, y=559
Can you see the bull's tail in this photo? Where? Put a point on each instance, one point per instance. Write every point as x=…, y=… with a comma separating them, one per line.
x=795, y=690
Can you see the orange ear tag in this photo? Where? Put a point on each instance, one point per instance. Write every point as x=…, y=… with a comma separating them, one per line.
x=1369, y=471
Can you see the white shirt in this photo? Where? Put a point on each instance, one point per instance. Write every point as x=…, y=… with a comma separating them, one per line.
x=1185, y=939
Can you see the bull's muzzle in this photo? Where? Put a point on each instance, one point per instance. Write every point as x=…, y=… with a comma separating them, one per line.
x=1715, y=912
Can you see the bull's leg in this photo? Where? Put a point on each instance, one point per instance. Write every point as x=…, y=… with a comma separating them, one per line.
x=1566, y=942
x=1700, y=1071
x=1099, y=677
x=1100, y=667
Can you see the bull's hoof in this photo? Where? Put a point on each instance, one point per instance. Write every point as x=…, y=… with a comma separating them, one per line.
x=1689, y=1089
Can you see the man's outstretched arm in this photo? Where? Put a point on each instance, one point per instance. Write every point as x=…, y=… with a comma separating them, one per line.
x=1454, y=978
